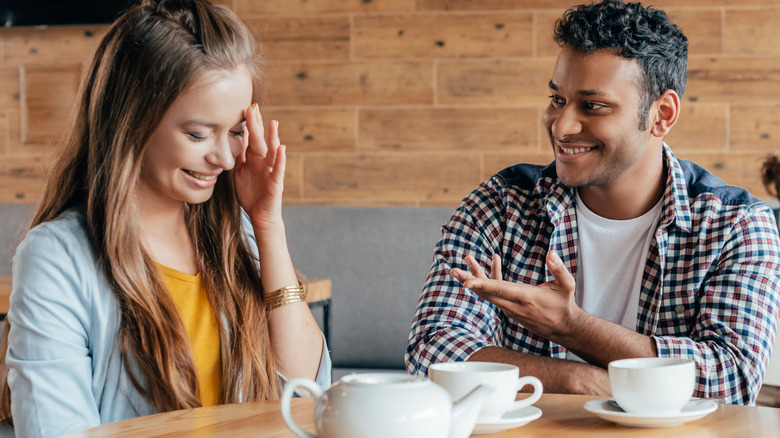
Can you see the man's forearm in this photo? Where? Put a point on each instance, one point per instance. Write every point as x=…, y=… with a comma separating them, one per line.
x=557, y=375
x=599, y=341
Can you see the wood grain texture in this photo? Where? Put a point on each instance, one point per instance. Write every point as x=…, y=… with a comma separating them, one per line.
x=22, y=178
x=443, y=35
x=302, y=37
x=702, y=27
x=47, y=96
x=9, y=86
x=5, y=294
x=755, y=127
x=752, y=31
x=456, y=129
x=496, y=82
x=733, y=79
x=379, y=83
x=292, y=7
x=465, y=76
x=701, y=127
x=51, y=45
x=321, y=129
x=563, y=415
x=409, y=177
x=545, y=27
x=471, y=5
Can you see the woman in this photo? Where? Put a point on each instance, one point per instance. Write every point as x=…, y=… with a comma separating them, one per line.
x=139, y=288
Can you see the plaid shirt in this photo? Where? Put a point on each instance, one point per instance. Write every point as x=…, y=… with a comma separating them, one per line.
x=709, y=290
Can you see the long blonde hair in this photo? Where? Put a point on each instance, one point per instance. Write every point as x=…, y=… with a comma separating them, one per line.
x=149, y=56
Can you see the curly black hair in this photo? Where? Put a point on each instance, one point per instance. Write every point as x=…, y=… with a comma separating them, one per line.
x=632, y=31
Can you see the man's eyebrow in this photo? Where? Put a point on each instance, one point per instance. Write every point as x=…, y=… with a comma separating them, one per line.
x=595, y=92
x=589, y=93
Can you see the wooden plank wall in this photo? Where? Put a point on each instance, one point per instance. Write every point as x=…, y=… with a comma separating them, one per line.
x=414, y=102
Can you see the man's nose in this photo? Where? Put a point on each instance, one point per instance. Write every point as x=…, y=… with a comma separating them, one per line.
x=567, y=122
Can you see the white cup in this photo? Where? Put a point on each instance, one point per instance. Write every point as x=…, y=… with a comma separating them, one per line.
x=652, y=385
x=460, y=378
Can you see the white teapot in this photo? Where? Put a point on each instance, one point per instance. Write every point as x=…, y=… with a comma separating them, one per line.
x=386, y=405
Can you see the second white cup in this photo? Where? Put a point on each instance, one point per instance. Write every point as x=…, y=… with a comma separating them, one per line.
x=652, y=385
x=459, y=378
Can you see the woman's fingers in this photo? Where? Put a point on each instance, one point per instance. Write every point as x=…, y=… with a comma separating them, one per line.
x=254, y=124
x=273, y=142
x=280, y=164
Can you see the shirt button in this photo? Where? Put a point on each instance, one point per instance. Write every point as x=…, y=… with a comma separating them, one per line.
x=679, y=309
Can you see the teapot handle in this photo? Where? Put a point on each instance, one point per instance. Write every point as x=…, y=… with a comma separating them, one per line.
x=287, y=395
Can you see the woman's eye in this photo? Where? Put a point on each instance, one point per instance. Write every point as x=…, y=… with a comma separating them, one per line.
x=237, y=133
x=197, y=136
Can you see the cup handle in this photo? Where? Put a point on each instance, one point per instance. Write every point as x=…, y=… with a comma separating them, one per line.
x=287, y=395
x=533, y=398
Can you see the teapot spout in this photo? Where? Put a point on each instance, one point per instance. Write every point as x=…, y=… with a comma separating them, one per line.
x=466, y=410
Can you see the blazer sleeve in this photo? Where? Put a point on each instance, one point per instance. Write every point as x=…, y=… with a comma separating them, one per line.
x=49, y=357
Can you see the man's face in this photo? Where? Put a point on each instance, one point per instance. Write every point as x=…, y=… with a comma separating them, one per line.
x=593, y=120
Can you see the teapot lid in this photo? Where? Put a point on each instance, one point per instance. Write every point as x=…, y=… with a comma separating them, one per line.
x=376, y=379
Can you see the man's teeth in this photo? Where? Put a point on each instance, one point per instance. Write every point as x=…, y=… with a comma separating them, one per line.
x=201, y=176
x=576, y=150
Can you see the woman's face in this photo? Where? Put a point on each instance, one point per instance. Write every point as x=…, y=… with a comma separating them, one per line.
x=197, y=139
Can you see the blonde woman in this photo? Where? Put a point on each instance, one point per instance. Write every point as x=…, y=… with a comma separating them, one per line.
x=156, y=275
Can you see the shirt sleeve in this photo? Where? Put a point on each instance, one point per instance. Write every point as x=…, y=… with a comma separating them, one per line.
x=734, y=331
x=50, y=370
x=451, y=323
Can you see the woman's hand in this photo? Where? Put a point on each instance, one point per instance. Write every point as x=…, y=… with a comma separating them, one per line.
x=259, y=172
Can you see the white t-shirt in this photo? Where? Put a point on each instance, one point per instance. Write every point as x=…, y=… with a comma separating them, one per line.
x=611, y=258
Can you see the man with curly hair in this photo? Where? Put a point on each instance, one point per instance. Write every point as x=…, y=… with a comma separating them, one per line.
x=617, y=249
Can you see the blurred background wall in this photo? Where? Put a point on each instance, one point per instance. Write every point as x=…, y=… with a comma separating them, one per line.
x=414, y=102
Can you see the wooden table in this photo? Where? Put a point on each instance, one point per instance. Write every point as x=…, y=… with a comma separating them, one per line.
x=563, y=416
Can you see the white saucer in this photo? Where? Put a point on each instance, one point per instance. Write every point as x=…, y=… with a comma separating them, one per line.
x=511, y=419
x=693, y=410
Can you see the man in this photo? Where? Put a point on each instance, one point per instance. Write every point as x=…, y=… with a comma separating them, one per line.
x=615, y=250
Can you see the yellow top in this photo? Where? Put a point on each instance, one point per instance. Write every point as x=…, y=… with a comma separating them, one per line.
x=202, y=327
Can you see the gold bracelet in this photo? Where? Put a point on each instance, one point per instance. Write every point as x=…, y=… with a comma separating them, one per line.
x=283, y=296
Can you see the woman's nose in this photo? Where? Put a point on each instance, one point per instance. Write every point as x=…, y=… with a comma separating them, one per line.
x=222, y=154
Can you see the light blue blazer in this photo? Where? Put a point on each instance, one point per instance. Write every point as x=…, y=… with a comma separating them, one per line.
x=65, y=369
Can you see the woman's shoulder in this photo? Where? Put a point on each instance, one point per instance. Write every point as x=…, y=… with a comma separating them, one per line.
x=68, y=228
x=64, y=236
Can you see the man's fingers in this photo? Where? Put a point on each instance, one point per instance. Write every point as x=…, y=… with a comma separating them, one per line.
x=562, y=276
x=474, y=267
x=495, y=270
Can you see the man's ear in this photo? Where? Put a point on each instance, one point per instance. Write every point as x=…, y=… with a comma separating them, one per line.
x=667, y=110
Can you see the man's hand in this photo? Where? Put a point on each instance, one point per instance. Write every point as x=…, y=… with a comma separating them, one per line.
x=548, y=310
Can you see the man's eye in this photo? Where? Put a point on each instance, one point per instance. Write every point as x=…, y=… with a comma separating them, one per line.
x=592, y=105
x=557, y=100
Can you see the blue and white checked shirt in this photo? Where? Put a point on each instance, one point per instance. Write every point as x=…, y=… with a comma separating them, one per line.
x=710, y=288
